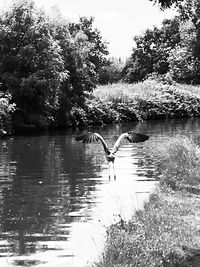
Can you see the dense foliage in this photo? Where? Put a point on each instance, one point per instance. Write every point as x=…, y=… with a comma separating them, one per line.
x=152, y=51
x=111, y=71
x=185, y=58
x=47, y=65
x=172, y=49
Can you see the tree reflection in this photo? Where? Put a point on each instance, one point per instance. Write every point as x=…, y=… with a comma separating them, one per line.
x=43, y=180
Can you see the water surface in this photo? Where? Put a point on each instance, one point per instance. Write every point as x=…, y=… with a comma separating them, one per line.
x=56, y=199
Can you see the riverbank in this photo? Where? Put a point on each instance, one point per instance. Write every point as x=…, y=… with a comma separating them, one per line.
x=136, y=102
x=115, y=103
x=166, y=231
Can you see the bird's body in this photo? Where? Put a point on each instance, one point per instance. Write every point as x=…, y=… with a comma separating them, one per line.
x=110, y=157
x=90, y=137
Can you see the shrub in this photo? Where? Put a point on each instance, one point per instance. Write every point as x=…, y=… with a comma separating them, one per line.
x=99, y=112
x=77, y=116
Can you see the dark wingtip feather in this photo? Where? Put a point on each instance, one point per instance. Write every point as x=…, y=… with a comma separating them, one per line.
x=137, y=137
x=81, y=137
x=87, y=137
x=78, y=138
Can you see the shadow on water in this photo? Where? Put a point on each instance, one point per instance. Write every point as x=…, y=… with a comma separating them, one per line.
x=54, y=191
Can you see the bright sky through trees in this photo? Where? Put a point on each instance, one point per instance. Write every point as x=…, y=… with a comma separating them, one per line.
x=117, y=20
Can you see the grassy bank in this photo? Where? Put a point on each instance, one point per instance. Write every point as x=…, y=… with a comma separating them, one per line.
x=141, y=101
x=167, y=231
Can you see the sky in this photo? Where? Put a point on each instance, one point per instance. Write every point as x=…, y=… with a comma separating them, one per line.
x=118, y=20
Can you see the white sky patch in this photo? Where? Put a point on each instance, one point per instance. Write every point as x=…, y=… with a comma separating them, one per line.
x=119, y=21
x=109, y=16
x=72, y=16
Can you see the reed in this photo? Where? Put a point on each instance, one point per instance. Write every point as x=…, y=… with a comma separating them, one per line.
x=178, y=161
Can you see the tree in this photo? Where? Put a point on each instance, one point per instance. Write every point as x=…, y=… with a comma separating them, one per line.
x=167, y=3
x=183, y=65
x=31, y=64
x=82, y=77
x=84, y=55
x=98, y=47
x=111, y=72
x=48, y=65
x=185, y=58
x=152, y=50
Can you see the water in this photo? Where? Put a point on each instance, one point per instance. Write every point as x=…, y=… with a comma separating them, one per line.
x=56, y=199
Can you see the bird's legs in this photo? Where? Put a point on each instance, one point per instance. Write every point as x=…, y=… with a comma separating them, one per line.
x=112, y=173
x=110, y=157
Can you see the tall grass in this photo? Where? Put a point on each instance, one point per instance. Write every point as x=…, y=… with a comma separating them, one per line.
x=148, y=100
x=148, y=89
x=178, y=161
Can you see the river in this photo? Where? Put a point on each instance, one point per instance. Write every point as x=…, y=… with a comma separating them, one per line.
x=56, y=199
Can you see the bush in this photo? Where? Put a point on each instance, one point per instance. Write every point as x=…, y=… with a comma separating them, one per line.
x=99, y=112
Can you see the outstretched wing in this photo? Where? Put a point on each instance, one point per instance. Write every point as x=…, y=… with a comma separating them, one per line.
x=89, y=137
x=131, y=137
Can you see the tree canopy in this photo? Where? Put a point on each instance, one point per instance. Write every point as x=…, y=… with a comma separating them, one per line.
x=173, y=49
x=167, y=3
x=47, y=64
x=152, y=51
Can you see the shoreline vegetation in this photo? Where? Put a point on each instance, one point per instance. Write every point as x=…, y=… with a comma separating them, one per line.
x=121, y=102
x=166, y=231
x=145, y=100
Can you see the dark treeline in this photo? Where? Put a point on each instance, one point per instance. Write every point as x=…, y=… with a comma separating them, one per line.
x=47, y=66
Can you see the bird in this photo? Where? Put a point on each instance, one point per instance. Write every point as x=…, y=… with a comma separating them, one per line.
x=90, y=137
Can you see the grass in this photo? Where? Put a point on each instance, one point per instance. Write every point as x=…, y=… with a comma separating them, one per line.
x=142, y=101
x=167, y=231
x=148, y=89
x=135, y=102
x=178, y=162
x=122, y=91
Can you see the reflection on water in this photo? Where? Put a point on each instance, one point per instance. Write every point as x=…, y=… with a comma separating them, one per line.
x=56, y=198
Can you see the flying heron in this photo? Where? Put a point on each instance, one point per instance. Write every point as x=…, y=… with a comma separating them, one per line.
x=90, y=137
